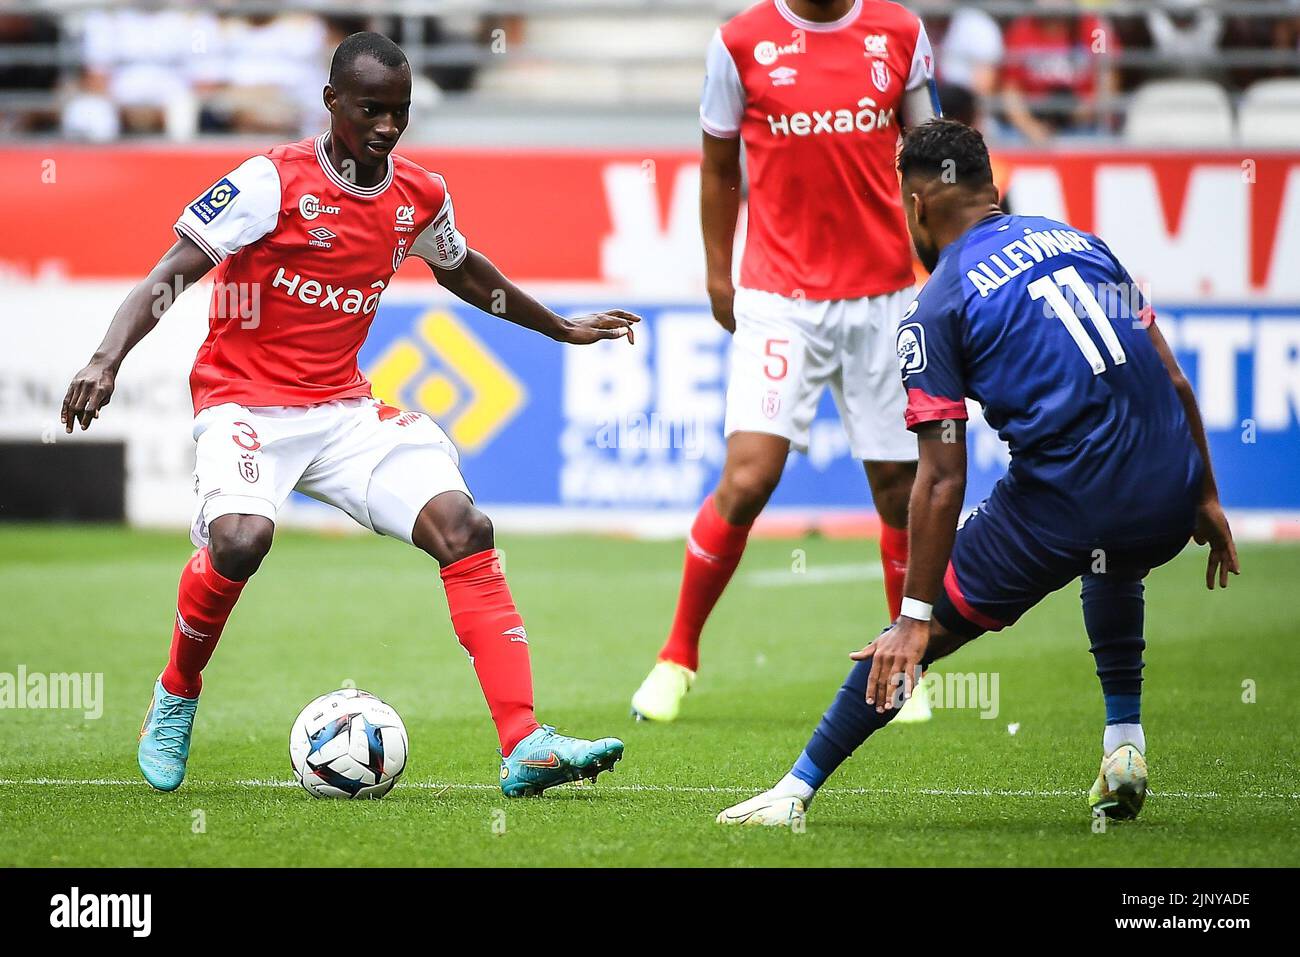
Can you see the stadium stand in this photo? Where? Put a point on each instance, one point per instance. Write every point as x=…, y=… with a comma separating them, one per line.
x=81, y=69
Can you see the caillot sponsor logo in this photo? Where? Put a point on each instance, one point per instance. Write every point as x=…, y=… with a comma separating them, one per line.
x=311, y=207
x=867, y=118
x=313, y=292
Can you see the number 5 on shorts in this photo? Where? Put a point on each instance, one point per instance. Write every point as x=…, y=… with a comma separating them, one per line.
x=773, y=355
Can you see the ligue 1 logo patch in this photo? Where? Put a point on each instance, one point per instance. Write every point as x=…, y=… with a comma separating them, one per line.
x=211, y=204
x=911, y=349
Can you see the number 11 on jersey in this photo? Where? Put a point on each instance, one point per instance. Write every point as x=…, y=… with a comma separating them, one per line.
x=1048, y=288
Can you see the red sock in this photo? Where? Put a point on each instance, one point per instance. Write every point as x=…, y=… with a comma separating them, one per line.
x=713, y=551
x=893, y=556
x=487, y=624
x=203, y=604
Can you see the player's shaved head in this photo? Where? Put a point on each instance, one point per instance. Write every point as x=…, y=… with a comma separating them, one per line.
x=947, y=184
x=369, y=100
x=376, y=46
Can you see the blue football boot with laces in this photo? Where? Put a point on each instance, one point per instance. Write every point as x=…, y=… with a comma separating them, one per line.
x=165, y=738
x=546, y=758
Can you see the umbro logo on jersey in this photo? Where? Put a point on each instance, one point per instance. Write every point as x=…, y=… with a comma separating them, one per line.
x=311, y=207
x=516, y=633
x=783, y=76
x=320, y=236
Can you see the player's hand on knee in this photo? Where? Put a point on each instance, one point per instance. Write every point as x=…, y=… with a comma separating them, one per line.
x=1212, y=528
x=895, y=661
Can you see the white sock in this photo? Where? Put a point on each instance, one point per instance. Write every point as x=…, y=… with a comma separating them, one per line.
x=791, y=785
x=1121, y=734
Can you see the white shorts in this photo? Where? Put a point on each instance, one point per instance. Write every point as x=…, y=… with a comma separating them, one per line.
x=379, y=464
x=785, y=351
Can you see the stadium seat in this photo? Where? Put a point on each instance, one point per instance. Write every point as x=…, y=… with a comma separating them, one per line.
x=1269, y=114
x=605, y=59
x=1180, y=113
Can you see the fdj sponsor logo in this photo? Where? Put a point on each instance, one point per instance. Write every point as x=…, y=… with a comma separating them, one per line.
x=75, y=909
x=442, y=369
x=866, y=119
x=311, y=207
x=338, y=298
x=210, y=205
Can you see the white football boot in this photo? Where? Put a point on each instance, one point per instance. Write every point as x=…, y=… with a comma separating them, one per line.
x=1121, y=786
x=916, y=709
x=660, y=696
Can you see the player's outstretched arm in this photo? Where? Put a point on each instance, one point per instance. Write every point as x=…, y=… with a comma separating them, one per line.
x=478, y=282
x=92, y=387
x=719, y=209
x=932, y=514
x=1211, y=523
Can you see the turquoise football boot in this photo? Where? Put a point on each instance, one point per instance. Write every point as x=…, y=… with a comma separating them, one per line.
x=545, y=758
x=165, y=738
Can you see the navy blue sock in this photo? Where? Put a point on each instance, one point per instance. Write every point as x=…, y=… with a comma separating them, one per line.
x=1113, y=613
x=846, y=724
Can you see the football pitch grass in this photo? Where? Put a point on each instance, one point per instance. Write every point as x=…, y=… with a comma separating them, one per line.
x=960, y=790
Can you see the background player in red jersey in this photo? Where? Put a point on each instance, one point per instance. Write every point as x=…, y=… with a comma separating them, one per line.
x=816, y=89
x=311, y=233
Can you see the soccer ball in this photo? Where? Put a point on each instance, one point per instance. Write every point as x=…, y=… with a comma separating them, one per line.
x=348, y=744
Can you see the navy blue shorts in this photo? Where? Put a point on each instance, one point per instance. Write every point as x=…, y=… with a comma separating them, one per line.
x=1002, y=564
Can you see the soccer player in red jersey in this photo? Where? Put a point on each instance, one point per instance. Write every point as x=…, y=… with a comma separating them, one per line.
x=817, y=91
x=313, y=232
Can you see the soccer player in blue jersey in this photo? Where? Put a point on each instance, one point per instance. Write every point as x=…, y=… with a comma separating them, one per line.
x=1110, y=471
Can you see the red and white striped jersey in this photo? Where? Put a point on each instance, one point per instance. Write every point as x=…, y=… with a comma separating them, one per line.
x=302, y=257
x=817, y=106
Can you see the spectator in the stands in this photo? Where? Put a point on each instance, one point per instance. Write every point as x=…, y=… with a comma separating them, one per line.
x=1059, y=75
x=144, y=69
x=969, y=57
x=18, y=32
x=1185, y=35
x=274, y=67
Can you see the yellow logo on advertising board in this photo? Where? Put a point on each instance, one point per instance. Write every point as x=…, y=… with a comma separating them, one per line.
x=442, y=369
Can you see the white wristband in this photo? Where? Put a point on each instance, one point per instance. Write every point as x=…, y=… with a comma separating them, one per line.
x=917, y=610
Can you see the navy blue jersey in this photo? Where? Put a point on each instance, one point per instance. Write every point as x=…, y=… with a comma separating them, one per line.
x=1040, y=324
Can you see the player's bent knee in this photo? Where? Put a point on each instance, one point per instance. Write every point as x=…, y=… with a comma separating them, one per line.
x=746, y=489
x=451, y=528
x=891, y=488
x=238, y=543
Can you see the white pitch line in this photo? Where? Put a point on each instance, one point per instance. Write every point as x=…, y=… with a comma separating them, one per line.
x=685, y=789
x=816, y=575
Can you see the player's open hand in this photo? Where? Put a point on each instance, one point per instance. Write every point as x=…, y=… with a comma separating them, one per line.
x=1212, y=528
x=610, y=324
x=895, y=663
x=90, y=391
